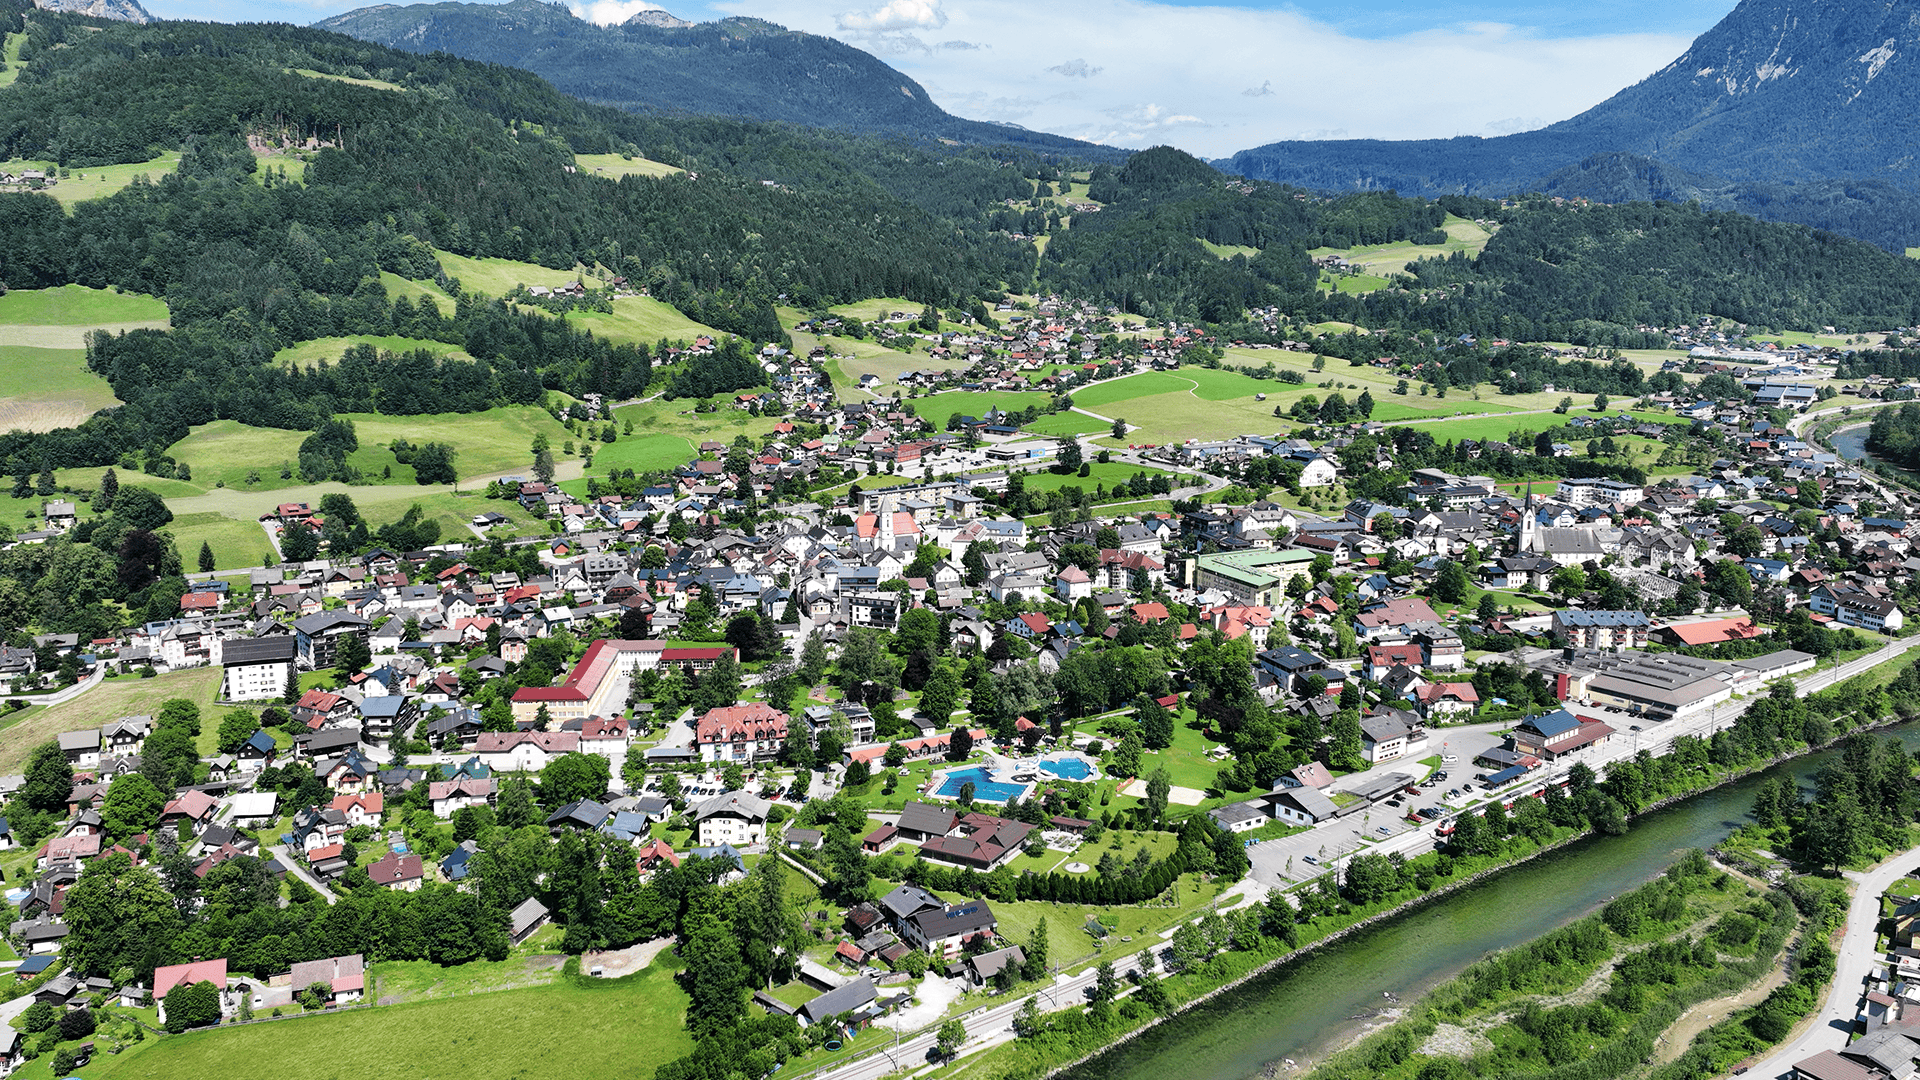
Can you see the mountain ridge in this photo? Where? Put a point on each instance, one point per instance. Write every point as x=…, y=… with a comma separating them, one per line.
x=1779, y=95
x=654, y=62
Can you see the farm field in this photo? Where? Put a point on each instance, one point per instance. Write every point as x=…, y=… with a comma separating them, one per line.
x=43, y=389
x=614, y=166
x=659, y=416
x=499, y=440
x=641, y=320
x=498, y=277
x=308, y=354
x=636, y=1024
x=128, y=695
x=236, y=542
x=656, y=452
x=96, y=181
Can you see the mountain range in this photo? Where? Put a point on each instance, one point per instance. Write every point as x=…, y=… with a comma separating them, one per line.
x=657, y=63
x=1789, y=111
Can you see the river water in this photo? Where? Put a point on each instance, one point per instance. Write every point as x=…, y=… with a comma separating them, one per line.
x=1303, y=1009
x=1850, y=443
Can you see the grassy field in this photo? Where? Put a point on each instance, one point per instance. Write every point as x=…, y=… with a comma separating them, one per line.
x=43, y=389
x=1228, y=251
x=1068, y=423
x=498, y=277
x=373, y=84
x=614, y=166
x=1097, y=474
x=937, y=407
x=11, y=56
x=1384, y=259
x=645, y=453
x=574, y=1028
x=236, y=542
x=77, y=305
x=641, y=319
x=112, y=699
x=98, y=181
x=398, y=287
x=308, y=354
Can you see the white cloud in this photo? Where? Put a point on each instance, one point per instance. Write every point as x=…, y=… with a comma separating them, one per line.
x=1076, y=69
x=610, y=12
x=895, y=15
x=1221, y=79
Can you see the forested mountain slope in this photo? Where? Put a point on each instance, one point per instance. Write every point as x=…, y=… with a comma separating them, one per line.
x=733, y=67
x=1800, y=112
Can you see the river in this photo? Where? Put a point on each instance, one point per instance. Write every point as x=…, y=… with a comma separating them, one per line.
x=1850, y=442
x=1302, y=1009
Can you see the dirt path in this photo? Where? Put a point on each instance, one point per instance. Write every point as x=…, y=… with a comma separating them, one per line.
x=618, y=962
x=1704, y=1015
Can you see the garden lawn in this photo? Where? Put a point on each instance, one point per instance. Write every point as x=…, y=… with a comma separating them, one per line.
x=575, y=1029
x=1069, y=943
x=128, y=695
x=44, y=389
x=309, y=354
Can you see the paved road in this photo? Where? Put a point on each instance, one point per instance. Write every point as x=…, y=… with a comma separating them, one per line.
x=1834, y=1022
x=1342, y=837
x=298, y=869
x=92, y=680
x=984, y=1027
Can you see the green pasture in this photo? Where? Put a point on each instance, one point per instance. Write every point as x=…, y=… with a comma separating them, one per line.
x=44, y=389
x=1228, y=251
x=128, y=695
x=77, y=305
x=310, y=353
x=498, y=277
x=640, y=320
x=614, y=166
x=95, y=181
x=372, y=84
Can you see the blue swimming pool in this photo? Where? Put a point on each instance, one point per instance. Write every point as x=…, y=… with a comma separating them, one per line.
x=985, y=789
x=1067, y=768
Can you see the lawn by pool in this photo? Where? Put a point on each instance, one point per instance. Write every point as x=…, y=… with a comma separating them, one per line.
x=985, y=787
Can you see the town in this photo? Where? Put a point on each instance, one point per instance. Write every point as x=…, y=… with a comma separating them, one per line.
x=955, y=695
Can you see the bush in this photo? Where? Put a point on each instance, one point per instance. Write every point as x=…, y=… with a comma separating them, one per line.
x=77, y=1024
x=39, y=1017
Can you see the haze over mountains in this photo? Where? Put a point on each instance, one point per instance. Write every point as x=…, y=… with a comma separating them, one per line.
x=654, y=62
x=1796, y=112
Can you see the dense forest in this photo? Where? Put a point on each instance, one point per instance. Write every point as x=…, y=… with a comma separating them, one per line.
x=252, y=256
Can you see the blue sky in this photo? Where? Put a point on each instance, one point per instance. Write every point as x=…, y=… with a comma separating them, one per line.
x=1212, y=77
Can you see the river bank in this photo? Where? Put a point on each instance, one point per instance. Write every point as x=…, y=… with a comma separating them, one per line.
x=1304, y=1002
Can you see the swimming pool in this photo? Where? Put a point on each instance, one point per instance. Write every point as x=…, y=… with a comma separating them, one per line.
x=985, y=788
x=1072, y=768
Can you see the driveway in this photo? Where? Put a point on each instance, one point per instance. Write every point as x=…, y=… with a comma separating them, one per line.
x=298, y=869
